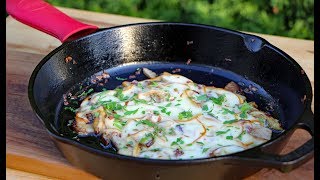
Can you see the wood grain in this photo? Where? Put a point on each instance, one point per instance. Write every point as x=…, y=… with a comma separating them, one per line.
x=29, y=148
x=13, y=174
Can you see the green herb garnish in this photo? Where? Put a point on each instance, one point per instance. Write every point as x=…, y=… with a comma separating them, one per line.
x=243, y=115
x=147, y=137
x=96, y=114
x=218, y=100
x=202, y=97
x=229, y=137
x=230, y=121
x=222, y=132
x=155, y=150
x=121, y=79
x=140, y=85
x=205, y=108
x=185, y=114
x=70, y=109
x=240, y=136
x=201, y=143
x=244, y=108
x=119, y=124
x=120, y=95
x=153, y=83
x=112, y=106
x=226, y=111
x=171, y=131
x=147, y=122
x=177, y=142
x=131, y=112
x=116, y=116
x=205, y=150
x=86, y=93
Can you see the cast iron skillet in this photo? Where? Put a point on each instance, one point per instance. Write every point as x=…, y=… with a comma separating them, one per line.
x=217, y=54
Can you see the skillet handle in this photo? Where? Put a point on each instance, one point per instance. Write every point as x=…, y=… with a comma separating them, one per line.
x=44, y=17
x=290, y=161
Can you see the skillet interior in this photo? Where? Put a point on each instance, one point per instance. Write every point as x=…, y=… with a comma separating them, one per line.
x=250, y=57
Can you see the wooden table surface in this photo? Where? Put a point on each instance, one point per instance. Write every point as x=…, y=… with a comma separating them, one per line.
x=29, y=150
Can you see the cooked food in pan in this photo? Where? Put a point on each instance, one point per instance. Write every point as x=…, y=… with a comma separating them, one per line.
x=171, y=117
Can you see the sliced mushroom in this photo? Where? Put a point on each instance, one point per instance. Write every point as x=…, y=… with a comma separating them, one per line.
x=153, y=95
x=233, y=87
x=149, y=73
x=270, y=121
x=99, y=122
x=260, y=132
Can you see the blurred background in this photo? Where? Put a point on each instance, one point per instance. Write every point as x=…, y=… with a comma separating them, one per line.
x=291, y=18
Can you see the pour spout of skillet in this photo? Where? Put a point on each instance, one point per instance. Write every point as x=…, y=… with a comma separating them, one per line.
x=37, y=13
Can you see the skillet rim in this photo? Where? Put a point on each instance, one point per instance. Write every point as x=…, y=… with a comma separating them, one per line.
x=265, y=43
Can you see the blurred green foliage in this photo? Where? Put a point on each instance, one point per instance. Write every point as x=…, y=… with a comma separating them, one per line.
x=292, y=18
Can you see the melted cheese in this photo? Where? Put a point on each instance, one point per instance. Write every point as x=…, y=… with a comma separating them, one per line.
x=171, y=117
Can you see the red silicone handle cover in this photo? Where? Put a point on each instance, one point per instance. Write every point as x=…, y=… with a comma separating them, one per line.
x=44, y=17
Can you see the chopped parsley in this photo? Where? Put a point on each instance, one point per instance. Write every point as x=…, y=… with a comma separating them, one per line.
x=156, y=113
x=177, y=104
x=121, y=79
x=131, y=112
x=116, y=116
x=171, y=131
x=120, y=95
x=205, y=150
x=229, y=137
x=189, y=144
x=205, y=108
x=143, y=112
x=177, y=142
x=230, y=121
x=211, y=114
x=119, y=124
x=240, y=136
x=70, y=109
x=169, y=104
x=185, y=114
x=147, y=122
x=146, y=137
x=218, y=100
x=84, y=93
x=202, y=97
x=153, y=83
x=136, y=100
x=96, y=114
x=226, y=111
x=112, y=106
x=243, y=114
x=244, y=108
x=201, y=143
x=140, y=85
x=164, y=110
x=155, y=150
x=222, y=132
x=156, y=128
